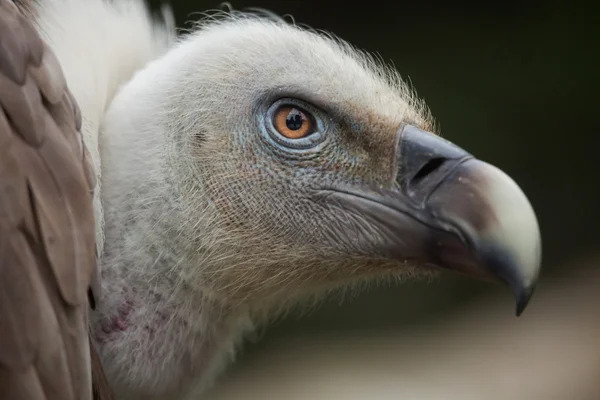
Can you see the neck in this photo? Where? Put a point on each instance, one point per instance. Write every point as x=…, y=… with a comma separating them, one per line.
x=159, y=332
x=157, y=335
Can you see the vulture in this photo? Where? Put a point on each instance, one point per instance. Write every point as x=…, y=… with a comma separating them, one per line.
x=163, y=195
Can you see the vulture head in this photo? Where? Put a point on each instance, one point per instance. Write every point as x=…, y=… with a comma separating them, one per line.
x=298, y=164
x=252, y=165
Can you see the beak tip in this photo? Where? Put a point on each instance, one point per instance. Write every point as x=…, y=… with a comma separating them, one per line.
x=512, y=239
x=522, y=300
x=522, y=297
x=509, y=268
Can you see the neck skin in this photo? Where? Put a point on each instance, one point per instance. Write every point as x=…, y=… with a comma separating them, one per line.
x=156, y=334
x=159, y=334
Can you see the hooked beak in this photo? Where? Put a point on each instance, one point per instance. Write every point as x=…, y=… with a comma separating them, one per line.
x=450, y=210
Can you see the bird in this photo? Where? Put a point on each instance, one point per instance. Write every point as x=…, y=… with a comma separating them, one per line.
x=236, y=170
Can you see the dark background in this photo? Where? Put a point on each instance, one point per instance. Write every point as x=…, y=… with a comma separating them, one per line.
x=515, y=83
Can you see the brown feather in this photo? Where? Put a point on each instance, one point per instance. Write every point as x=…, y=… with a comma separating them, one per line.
x=101, y=388
x=47, y=237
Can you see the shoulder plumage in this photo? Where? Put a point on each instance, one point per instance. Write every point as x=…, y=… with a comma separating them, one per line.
x=47, y=238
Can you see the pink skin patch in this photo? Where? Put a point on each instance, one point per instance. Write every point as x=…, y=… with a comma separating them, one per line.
x=118, y=323
x=111, y=327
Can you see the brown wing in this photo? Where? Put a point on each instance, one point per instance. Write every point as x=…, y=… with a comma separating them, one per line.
x=47, y=240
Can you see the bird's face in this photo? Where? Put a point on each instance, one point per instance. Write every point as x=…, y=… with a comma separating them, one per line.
x=317, y=166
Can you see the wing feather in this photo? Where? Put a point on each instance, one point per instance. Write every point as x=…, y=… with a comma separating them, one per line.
x=47, y=233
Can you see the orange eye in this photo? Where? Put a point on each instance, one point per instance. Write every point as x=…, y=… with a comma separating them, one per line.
x=293, y=122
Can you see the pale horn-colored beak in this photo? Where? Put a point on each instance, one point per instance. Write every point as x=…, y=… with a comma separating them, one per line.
x=451, y=210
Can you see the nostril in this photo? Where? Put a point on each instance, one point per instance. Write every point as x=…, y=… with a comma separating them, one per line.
x=429, y=167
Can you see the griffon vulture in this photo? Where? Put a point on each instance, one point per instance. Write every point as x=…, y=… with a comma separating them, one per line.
x=245, y=167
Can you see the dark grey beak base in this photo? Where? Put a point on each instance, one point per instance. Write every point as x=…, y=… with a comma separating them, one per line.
x=450, y=210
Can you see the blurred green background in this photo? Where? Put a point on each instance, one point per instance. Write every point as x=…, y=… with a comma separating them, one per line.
x=515, y=83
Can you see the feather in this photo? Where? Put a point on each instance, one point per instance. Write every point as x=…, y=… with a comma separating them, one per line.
x=47, y=230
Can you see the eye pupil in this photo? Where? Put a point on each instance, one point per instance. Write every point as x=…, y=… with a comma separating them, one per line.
x=294, y=120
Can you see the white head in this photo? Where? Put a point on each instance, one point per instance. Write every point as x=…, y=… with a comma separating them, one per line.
x=257, y=164
x=264, y=216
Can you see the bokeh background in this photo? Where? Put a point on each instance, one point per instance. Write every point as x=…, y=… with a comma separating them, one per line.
x=515, y=83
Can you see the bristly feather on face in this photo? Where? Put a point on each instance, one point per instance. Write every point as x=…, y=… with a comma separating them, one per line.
x=212, y=225
x=270, y=239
